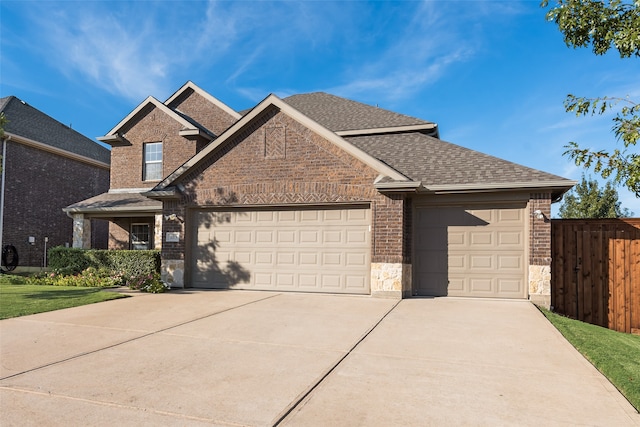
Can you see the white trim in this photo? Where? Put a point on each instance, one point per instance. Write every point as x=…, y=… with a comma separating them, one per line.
x=295, y=115
x=394, y=129
x=159, y=105
x=190, y=85
x=55, y=150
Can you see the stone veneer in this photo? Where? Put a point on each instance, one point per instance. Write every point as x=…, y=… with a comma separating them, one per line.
x=81, y=232
x=173, y=272
x=390, y=280
x=540, y=284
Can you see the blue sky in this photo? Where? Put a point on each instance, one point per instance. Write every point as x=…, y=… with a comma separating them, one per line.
x=492, y=74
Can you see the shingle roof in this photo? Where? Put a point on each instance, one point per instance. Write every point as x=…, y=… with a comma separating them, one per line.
x=29, y=122
x=341, y=114
x=439, y=163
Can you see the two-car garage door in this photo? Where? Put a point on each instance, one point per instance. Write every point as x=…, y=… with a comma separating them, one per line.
x=470, y=251
x=309, y=250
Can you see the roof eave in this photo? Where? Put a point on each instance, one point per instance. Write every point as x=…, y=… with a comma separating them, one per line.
x=163, y=194
x=193, y=134
x=398, y=186
x=111, y=210
x=115, y=140
x=433, y=127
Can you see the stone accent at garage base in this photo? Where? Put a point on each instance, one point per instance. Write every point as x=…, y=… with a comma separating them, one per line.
x=81, y=232
x=390, y=280
x=172, y=272
x=540, y=285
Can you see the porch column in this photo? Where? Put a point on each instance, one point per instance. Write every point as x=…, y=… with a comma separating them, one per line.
x=157, y=233
x=81, y=232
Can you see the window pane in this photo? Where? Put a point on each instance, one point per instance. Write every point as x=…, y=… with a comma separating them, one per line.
x=140, y=236
x=152, y=168
x=153, y=171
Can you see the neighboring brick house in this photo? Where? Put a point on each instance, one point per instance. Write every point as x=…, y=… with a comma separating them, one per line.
x=318, y=193
x=46, y=166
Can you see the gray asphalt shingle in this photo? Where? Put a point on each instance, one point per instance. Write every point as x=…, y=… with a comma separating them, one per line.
x=341, y=114
x=436, y=162
x=29, y=122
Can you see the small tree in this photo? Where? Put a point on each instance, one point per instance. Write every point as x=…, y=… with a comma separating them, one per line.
x=604, y=25
x=588, y=200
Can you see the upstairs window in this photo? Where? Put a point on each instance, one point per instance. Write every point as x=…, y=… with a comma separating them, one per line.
x=152, y=169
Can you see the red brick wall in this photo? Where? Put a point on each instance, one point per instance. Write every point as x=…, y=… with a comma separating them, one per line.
x=153, y=125
x=540, y=230
x=203, y=112
x=302, y=169
x=38, y=186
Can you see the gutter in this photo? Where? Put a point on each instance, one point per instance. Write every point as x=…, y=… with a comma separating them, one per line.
x=4, y=170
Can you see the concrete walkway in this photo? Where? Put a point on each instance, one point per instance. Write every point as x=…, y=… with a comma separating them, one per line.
x=233, y=358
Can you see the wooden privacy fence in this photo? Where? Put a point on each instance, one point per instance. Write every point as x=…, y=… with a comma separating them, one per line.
x=595, y=271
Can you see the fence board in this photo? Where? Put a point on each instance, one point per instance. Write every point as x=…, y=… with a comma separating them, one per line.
x=596, y=271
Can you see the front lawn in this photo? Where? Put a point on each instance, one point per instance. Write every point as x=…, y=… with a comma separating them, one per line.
x=615, y=354
x=20, y=299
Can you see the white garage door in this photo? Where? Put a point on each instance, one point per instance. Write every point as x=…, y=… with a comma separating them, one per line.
x=477, y=252
x=311, y=250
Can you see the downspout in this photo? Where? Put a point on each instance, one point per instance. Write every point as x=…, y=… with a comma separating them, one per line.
x=4, y=171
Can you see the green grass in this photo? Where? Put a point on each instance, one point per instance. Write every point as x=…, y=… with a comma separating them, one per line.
x=19, y=299
x=615, y=354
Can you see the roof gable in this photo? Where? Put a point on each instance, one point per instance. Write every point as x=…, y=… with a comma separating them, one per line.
x=247, y=120
x=28, y=122
x=190, y=86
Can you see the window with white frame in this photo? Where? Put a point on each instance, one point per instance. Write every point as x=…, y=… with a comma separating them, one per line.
x=152, y=169
x=140, y=237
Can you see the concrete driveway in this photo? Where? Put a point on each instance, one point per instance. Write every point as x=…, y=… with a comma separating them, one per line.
x=232, y=358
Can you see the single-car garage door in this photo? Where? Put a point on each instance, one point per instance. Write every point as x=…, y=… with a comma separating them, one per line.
x=309, y=250
x=478, y=251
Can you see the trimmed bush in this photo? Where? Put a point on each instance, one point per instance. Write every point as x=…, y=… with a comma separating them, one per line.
x=72, y=261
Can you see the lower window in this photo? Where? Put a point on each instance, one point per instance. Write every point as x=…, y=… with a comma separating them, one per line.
x=140, y=237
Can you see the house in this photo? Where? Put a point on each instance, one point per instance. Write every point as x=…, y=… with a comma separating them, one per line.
x=46, y=166
x=317, y=193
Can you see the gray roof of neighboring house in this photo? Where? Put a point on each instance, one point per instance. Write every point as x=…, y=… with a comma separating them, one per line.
x=29, y=122
x=439, y=163
x=341, y=114
x=115, y=202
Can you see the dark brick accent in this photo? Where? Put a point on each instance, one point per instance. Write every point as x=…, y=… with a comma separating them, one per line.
x=38, y=186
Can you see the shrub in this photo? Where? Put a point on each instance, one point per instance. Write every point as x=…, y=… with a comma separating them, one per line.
x=89, y=278
x=147, y=283
x=71, y=261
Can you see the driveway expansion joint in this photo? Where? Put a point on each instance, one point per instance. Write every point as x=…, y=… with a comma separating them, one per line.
x=148, y=334
x=305, y=394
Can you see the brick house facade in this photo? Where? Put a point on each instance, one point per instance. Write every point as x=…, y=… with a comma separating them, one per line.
x=47, y=166
x=319, y=193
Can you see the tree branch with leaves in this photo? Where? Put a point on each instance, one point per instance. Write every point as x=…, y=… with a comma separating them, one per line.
x=604, y=25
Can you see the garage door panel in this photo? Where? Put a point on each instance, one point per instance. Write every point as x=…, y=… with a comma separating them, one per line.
x=310, y=250
x=480, y=251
